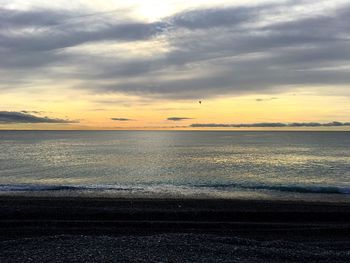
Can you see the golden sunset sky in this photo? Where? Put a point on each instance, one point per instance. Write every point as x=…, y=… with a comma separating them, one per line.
x=146, y=64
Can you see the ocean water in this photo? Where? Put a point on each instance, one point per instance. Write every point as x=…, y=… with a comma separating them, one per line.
x=184, y=164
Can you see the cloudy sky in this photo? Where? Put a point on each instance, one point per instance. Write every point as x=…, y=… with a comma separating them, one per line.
x=115, y=64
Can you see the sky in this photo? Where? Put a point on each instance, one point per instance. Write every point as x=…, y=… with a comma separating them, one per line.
x=115, y=64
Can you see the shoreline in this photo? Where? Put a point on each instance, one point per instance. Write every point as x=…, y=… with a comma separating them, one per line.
x=35, y=216
x=280, y=193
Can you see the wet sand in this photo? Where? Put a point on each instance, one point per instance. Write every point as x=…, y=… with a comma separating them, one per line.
x=45, y=229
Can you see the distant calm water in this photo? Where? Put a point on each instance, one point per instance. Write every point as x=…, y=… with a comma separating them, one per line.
x=218, y=164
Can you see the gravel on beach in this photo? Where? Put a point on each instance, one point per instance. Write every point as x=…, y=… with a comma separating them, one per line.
x=168, y=248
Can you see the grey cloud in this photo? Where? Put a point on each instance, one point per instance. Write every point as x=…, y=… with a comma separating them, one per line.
x=211, y=52
x=26, y=61
x=249, y=125
x=31, y=111
x=125, y=102
x=178, y=118
x=207, y=18
x=121, y=119
x=68, y=37
x=114, y=102
x=15, y=18
x=266, y=99
x=270, y=124
x=225, y=16
x=321, y=25
x=60, y=28
x=283, y=58
x=8, y=117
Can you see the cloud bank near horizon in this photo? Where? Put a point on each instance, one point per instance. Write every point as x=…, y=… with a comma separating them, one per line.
x=11, y=117
x=270, y=125
x=121, y=119
x=178, y=118
x=236, y=49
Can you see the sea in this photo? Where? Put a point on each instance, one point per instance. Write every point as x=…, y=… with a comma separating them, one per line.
x=268, y=165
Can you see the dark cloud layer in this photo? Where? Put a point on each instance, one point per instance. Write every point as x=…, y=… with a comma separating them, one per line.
x=238, y=50
x=45, y=17
x=265, y=99
x=215, y=17
x=270, y=124
x=8, y=117
x=178, y=118
x=31, y=111
x=58, y=29
x=121, y=119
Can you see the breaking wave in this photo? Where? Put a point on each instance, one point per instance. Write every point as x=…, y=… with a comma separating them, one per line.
x=286, y=188
x=303, y=189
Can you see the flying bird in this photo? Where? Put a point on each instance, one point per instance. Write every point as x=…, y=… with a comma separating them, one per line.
x=200, y=102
